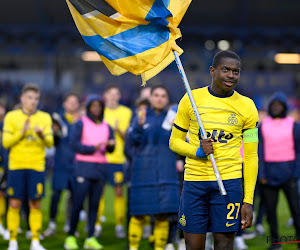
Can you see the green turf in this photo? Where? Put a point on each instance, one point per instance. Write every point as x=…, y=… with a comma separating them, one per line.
x=108, y=238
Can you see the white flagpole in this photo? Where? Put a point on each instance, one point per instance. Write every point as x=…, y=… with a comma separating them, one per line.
x=202, y=130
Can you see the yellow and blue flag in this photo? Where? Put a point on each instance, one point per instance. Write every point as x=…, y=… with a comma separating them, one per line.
x=131, y=35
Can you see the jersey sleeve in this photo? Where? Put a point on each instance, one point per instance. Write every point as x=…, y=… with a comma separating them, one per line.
x=126, y=121
x=10, y=135
x=182, y=120
x=177, y=142
x=48, y=134
x=250, y=144
x=252, y=117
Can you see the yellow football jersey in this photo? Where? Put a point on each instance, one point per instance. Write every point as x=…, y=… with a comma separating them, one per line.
x=224, y=119
x=27, y=151
x=122, y=115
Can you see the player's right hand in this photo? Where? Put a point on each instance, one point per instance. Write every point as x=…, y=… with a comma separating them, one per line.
x=99, y=145
x=263, y=181
x=26, y=126
x=142, y=117
x=111, y=143
x=206, y=145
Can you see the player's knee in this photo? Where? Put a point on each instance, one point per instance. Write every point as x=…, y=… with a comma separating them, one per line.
x=35, y=204
x=224, y=242
x=223, y=245
x=194, y=241
x=161, y=217
x=15, y=203
x=119, y=191
x=194, y=245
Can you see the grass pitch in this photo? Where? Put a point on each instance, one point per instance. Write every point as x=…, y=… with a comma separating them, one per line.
x=110, y=242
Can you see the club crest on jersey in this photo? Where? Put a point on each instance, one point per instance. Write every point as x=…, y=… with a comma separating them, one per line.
x=182, y=220
x=232, y=119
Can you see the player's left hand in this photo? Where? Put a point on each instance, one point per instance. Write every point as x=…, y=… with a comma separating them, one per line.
x=39, y=131
x=246, y=215
x=111, y=143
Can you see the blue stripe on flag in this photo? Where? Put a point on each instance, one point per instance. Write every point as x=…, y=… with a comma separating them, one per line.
x=159, y=12
x=130, y=42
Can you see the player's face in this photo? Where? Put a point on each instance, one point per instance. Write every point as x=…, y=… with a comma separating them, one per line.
x=276, y=109
x=95, y=108
x=159, y=99
x=2, y=113
x=145, y=93
x=112, y=95
x=30, y=100
x=225, y=76
x=71, y=104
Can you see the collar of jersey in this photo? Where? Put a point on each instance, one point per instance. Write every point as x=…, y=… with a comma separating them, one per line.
x=27, y=113
x=220, y=96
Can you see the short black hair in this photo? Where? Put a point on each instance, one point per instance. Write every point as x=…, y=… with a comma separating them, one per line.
x=225, y=54
x=142, y=102
x=160, y=87
x=112, y=86
x=69, y=95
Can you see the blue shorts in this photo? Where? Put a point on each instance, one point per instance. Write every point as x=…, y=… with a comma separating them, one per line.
x=116, y=174
x=63, y=180
x=203, y=209
x=25, y=184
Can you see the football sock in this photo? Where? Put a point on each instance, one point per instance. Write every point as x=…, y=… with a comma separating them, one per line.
x=119, y=210
x=35, y=223
x=161, y=232
x=135, y=232
x=13, y=222
x=147, y=220
x=2, y=208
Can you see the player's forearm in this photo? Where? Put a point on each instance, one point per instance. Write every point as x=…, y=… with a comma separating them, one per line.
x=122, y=135
x=10, y=139
x=178, y=144
x=250, y=170
x=48, y=141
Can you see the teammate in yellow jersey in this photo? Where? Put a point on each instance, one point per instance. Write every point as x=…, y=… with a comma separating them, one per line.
x=3, y=173
x=118, y=117
x=228, y=118
x=26, y=133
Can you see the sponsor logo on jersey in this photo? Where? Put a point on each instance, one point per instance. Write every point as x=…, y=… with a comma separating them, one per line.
x=218, y=136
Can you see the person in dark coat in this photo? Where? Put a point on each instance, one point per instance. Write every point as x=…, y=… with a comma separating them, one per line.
x=154, y=179
x=63, y=171
x=279, y=155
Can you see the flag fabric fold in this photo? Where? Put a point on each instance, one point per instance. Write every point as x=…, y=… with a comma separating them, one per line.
x=131, y=35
